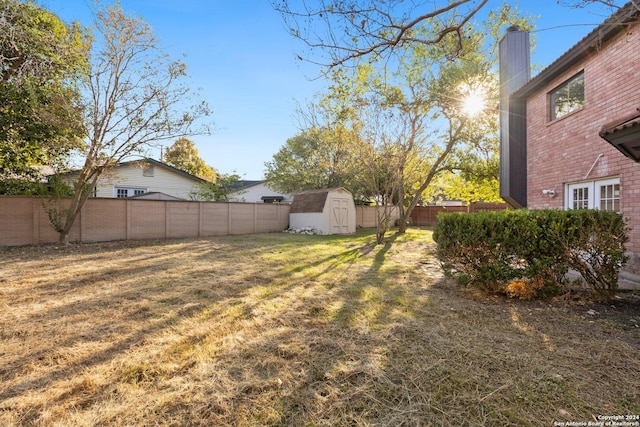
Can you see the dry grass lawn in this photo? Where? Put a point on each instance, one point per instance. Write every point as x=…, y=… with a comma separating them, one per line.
x=275, y=329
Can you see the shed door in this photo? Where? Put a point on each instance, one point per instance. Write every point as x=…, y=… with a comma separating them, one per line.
x=340, y=217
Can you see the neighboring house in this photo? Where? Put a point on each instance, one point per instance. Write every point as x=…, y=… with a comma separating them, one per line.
x=257, y=192
x=327, y=211
x=147, y=179
x=570, y=136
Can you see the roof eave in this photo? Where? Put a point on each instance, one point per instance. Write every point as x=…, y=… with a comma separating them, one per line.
x=604, y=32
x=624, y=136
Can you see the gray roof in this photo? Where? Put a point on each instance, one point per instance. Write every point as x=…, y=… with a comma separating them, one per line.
x=164, y=165
x=243, y=184
x=311, y=201
x=155, y=195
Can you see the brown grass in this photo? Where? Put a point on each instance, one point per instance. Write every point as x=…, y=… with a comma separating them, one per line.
x=276, y=329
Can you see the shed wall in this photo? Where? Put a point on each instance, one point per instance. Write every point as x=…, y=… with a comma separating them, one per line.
x=302, y=220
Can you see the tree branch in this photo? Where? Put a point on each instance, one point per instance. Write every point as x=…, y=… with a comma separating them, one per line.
x=357, y=29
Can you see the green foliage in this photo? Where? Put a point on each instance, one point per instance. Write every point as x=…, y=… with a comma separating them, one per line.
x=52, y=186
x=595, y=242
x=398, y=126
x=454, y=186
x=475, y=170
x=315, y=158
x=491, y=249
x=41, y=60
x=219, y=190
x=53, y=205
x=36, y=44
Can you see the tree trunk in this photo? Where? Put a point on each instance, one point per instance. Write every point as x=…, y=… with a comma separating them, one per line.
x=64, y=238
x=435, y=169
x=383, y=223
x=86, y=181
x=70, y=219
x=402, y=227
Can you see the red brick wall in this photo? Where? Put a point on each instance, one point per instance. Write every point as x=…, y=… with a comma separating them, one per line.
x=564, y=150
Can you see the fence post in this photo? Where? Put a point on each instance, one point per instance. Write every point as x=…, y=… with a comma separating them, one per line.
x=80, y=223
x=35, y=215
x=166, y=219
x=199, y=219
x=127, y=218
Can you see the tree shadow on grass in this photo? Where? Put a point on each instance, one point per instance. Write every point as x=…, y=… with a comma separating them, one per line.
x=356, y=335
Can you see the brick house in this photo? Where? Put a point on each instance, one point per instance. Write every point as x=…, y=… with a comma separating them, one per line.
x=570, y=136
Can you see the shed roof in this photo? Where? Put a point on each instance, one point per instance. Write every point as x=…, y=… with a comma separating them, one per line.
x=312, y=201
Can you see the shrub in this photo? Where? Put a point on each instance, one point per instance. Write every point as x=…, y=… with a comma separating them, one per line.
x=528, y=253
x=593, y=241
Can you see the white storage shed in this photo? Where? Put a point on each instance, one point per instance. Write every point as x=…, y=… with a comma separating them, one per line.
x=327, y=211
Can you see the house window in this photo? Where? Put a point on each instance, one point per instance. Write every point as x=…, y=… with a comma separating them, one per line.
x=568, y=97
x=148, y=170
x=580, y=197
x=602, y=194
x=121, y=192
x=610, y=197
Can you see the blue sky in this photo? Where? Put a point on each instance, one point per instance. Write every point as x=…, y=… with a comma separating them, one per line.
x=241, y=56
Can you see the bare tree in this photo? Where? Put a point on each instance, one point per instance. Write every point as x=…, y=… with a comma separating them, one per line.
x=136, y=98
x=384, y=152
x=352, y=29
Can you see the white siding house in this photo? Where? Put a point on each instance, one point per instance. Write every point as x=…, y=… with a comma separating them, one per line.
x=258, y=192
x=146, y=178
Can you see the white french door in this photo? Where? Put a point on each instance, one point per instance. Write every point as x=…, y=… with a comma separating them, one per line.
x=602, y=194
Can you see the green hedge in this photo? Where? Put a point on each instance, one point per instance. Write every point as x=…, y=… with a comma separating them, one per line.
x=490, y=250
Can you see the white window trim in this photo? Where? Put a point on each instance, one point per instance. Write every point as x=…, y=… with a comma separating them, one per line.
x=552, y=98
x=130, y=190
x=593, y=201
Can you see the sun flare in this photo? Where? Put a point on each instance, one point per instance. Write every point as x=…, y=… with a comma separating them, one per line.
x=473, y=103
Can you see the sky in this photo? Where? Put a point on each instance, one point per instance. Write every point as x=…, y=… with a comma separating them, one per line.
x=243, y=60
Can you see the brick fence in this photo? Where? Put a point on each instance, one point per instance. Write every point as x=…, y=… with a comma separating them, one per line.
x=24, y=220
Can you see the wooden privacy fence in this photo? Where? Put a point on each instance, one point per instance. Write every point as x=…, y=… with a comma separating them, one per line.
x=367, y=216
x=24, y=220
x=426, y=215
